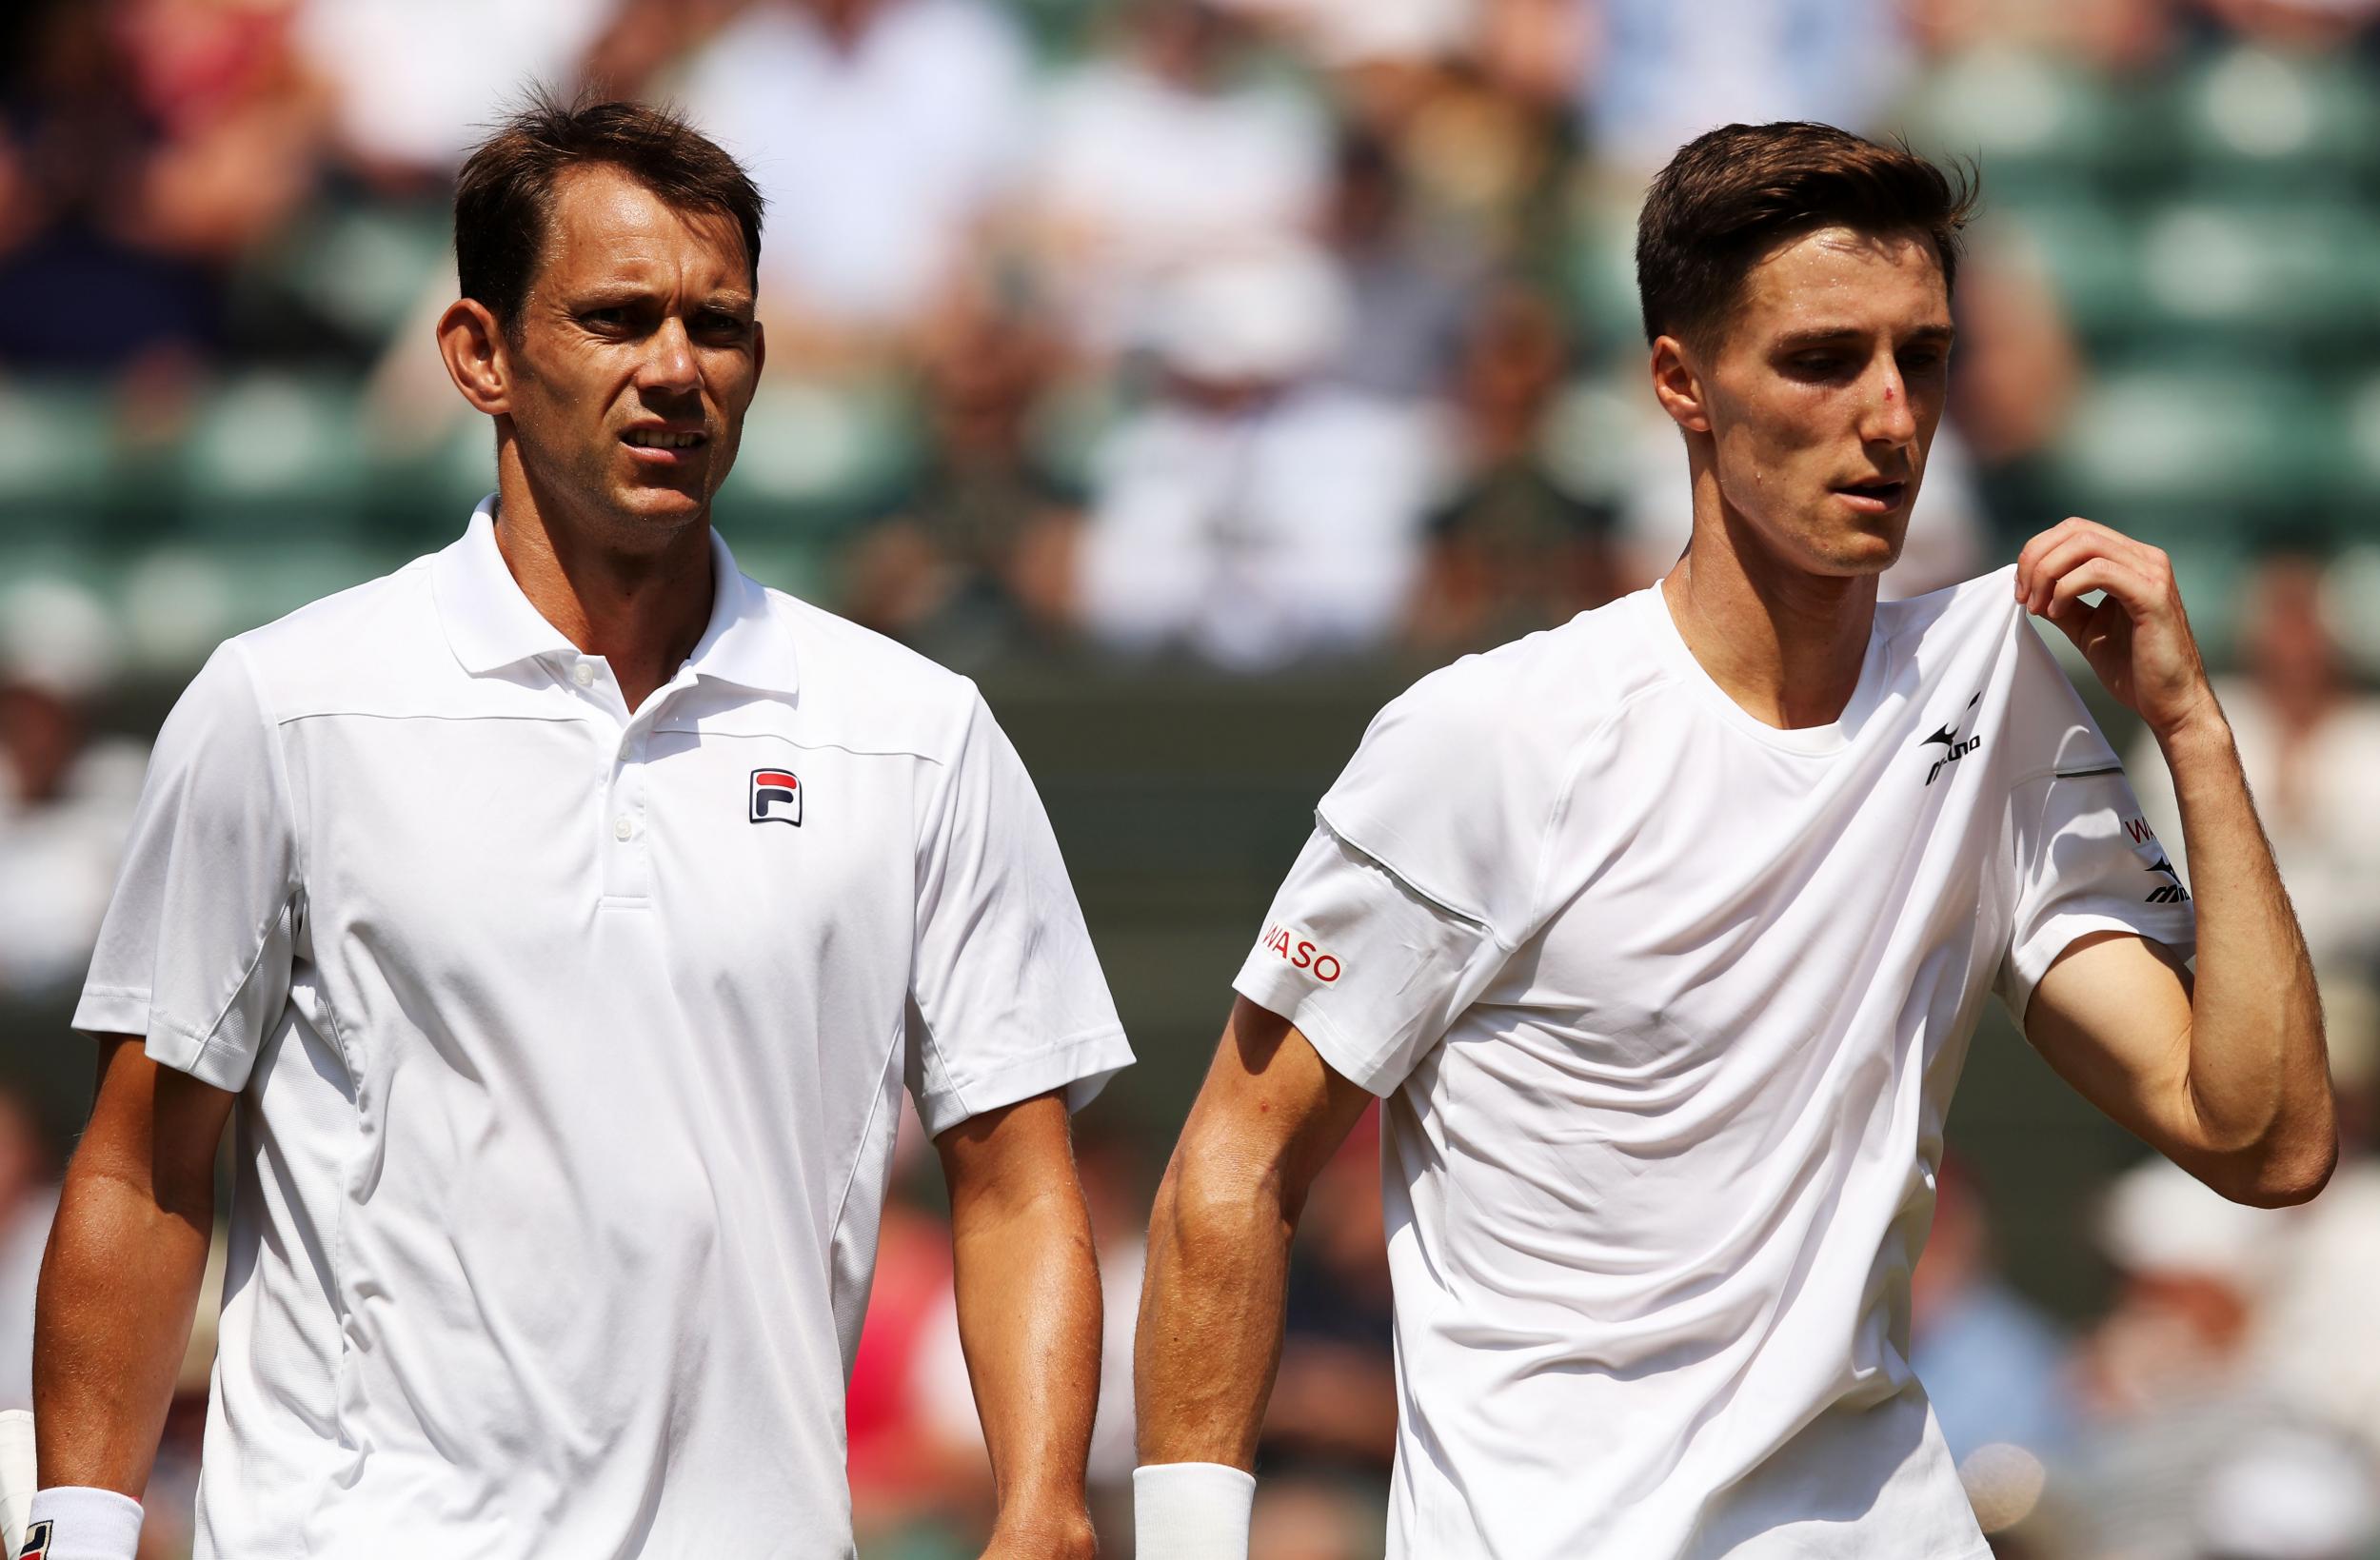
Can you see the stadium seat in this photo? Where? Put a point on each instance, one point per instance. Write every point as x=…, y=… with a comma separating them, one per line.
x=274, y=454
x=2038, y=125
x=2255, y=119
x=2191, y=450
x=57, y=454
x=818, y=456
x=2293, y=276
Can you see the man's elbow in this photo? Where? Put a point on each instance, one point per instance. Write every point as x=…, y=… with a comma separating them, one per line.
x=2284, y=1176
x=1213, y=1195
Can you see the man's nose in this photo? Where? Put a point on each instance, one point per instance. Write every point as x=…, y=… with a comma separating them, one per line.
x=669, y=359
x=1890, y=420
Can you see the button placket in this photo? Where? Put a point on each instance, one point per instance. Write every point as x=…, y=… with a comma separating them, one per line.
x=627, y=864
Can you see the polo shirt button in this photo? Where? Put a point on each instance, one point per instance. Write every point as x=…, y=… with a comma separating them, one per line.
x=622, y=828
x=584, y=676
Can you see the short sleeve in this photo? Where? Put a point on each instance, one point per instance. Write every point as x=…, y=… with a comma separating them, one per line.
x=194, y=955
x=2085, y=858
x=1370, y=971
x=1006, y=996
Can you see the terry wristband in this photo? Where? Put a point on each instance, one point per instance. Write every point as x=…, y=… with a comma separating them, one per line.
x=72, y=1522
x=1191, y=1511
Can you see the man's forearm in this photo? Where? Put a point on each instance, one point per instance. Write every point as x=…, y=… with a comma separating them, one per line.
x=2259, y=1076
x=119, y=1283
x=1210, y=1326
x=1029, y=1318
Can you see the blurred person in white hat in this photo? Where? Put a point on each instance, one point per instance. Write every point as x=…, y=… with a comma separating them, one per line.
x=2310, y=741
x=2290, y=1495
x=1253, y=514
x=65, y=795
x=2169, y=1376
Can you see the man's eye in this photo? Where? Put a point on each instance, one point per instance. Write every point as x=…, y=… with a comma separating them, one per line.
x=605, y=317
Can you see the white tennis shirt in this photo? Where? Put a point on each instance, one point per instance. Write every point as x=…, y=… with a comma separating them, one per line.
x=570, y=1043
x=1667, y=1005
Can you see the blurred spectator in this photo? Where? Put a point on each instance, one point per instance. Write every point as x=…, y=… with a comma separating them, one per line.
x=958, y=569
x=2289, y=1495
x=880, y=131
x=1944, y=544
x=1166, y=154
x=1409, y=289
x=1657, y=74
x=416, y=83
x=2310, y=744
x=2309, y=25
x=1517, y=550
x=1992, y=1363
x=2318, y=1338
x=66, y=800
x=2168, y=1373
x=143, y=146
x=28, y=1196
x=1251, y=514
x=914, y=1475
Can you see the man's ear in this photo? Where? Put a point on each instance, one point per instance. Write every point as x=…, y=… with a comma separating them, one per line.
x=1677, y=386
x=476, y=355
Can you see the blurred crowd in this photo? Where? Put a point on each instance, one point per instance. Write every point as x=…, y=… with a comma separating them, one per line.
x=1245, y=336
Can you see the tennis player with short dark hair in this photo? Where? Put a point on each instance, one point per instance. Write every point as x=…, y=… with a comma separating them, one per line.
x=563, y=916
x=1662, y=934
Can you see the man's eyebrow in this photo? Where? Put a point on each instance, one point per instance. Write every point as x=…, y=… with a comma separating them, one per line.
x=1933, y=335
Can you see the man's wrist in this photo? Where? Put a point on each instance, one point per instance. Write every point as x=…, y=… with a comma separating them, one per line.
x=1191, y=1511
x=1055, y=1529
x=2204, y=733
x=83, y=1523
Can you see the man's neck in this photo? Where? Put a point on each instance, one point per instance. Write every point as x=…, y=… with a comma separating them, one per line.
x=1785, y=644
x=642, y=611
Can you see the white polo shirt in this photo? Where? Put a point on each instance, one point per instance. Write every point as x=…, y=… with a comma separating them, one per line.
x=570, y=1043
x=1667, y=1005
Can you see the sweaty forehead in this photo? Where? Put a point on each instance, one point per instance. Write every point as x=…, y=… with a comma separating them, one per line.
x=606, y=227
x=1839, y=276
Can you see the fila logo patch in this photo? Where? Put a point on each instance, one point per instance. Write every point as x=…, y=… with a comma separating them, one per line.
x=1954, y=747
x=776, y=796
x=36, y=1541
x=1300, y=953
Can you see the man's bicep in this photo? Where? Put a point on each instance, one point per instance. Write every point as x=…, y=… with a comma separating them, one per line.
x=154, y=1127
x=1000, y=1160
x=1272, y=1107
x=2112, y=1014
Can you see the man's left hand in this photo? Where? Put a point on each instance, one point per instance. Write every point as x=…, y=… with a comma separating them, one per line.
x=2138, y=638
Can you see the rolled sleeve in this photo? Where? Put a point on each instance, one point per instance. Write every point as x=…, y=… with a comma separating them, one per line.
x=194, y=955
x=1006, y=996
x=2087, y=861
x=1370, y=971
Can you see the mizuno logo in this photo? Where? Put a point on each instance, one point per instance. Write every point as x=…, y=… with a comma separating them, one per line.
x=1954, y=747
x=2171, y=891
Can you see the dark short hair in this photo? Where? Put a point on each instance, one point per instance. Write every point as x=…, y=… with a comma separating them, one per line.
x=1734, y=195
x=504, y=201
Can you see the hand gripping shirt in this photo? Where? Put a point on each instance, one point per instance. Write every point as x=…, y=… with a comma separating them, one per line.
x=1667, y=1005
x=570, y=1043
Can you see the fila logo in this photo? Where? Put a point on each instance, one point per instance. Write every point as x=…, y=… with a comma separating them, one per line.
x=1299, y=954
x=37, y=1539
x=1954, y=747
x=776, y=796
x=2171, y=892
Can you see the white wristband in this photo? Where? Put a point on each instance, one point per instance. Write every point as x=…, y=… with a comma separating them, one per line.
x=1191, y=1511
x=82, y=1524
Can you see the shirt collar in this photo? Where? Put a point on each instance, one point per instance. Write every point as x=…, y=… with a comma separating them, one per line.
x=492, y=625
